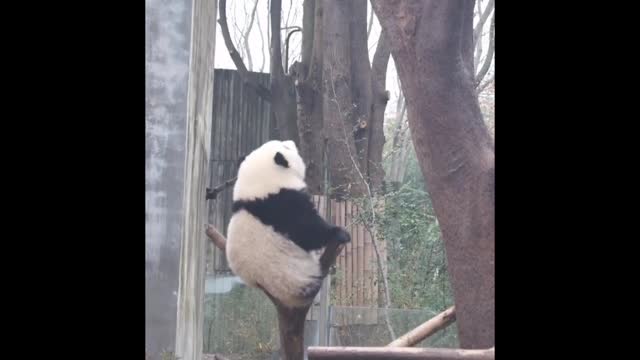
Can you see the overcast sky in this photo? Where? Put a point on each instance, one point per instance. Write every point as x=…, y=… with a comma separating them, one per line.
x=237, y=16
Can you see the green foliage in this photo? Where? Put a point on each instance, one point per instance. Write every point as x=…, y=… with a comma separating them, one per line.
x=415, y=251
x=168, y=355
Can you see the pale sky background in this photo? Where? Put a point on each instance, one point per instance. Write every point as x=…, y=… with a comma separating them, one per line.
x=238, y=12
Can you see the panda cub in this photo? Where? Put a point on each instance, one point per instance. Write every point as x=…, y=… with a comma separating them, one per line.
x=275, y=235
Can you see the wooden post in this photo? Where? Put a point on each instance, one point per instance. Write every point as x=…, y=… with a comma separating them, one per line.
x=178, y=106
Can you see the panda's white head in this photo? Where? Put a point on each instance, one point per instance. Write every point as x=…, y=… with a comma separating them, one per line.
x=266, y=170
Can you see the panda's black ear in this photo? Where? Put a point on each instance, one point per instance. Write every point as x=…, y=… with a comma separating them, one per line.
x=280, y=160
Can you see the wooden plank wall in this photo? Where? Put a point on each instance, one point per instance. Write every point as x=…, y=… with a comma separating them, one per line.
x=356, y=278
x=241, y=123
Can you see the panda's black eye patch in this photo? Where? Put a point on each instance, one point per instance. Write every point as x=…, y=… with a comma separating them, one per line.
x=280, y=160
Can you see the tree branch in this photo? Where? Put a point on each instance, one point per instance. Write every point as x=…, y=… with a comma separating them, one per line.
x=245, y=36
x=213, y=193
x=466, y=43
x=370, y=24
x=489, y=58
x=477, y=45
x=262, y=91
x=486, y=83
x=218, y=239
x=483, y=19
x=264, y=56
x=425, y=330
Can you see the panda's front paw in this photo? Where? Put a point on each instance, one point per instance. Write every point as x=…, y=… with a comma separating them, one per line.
x=341, y=235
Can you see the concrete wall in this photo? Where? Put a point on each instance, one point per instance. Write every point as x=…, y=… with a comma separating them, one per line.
x=179, y=56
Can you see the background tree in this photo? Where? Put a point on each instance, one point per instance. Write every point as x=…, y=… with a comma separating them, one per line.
x=332, y=101
x=432, y=45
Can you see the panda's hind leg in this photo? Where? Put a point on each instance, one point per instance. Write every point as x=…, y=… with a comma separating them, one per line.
x=340, y=235
x=309, y=292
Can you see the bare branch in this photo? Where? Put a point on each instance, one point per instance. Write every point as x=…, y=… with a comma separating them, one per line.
x=483, y=19
x=264, y=55
x=477, y=44
x=216, y=237
x=269, y=26
x=245, y=37
x=426, y=329
x=466, y=43
x=370, y=24
x=213, y=193
x=237, y=60
x=486, y=83
x=490, y=51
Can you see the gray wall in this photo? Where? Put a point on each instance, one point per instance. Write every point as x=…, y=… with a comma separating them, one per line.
x=178, y=117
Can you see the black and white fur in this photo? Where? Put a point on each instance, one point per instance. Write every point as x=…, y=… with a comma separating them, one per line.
x=275, y=236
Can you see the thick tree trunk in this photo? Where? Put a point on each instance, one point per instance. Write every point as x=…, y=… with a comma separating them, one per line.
x=361, y=82
x=338, y=108
x=454, y=148
x=308, y=76
x=380, y=99
x=283, y=105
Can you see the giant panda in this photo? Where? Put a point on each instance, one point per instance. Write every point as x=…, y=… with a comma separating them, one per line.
x=275, y=235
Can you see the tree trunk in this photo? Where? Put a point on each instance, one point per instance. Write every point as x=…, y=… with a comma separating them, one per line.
x=283, y=105
x=453, y=146
x=309, y=96
x=361, y=83
x=338, y=108
x=380, y=99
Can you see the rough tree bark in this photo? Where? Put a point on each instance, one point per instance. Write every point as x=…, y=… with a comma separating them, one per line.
x=283, y=109
x=453, y=146
x=308, y=82
x=338, y=107
x=380, y=98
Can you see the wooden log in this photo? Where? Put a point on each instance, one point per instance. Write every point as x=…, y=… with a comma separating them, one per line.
x=426, y=329
x=387, y=353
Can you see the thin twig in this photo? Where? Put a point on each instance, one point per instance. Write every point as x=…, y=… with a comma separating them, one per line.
x=260, y=89
x=213, y=193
